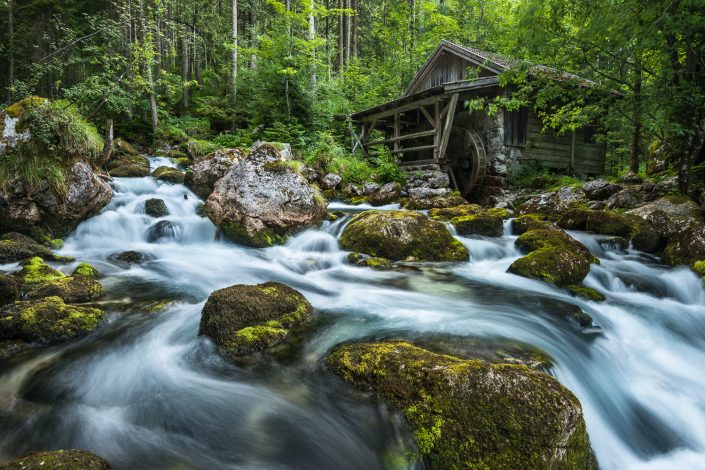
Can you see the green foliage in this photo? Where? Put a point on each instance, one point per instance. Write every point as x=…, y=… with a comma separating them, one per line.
x=539, y=178
x=57, y=135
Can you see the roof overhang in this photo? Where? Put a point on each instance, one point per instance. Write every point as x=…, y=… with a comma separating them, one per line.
x=409, y=102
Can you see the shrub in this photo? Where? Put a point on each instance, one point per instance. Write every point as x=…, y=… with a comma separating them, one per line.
x=58, y=135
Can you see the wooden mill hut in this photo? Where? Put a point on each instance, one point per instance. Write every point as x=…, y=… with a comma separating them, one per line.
x=431, y=124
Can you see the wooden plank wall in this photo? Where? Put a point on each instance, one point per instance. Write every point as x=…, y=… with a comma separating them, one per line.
x=554, y=151
x=449, y=68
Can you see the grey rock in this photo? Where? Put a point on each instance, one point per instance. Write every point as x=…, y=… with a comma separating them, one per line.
x=600, y=189
x=205, y=171
x=260, y=201
x=623, y=199
x=155, y=208
x=370, y=188
x=387, y=194
x=330, y=181
x=161, y=230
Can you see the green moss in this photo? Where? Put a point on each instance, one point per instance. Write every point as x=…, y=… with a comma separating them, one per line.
x=70, y=289
x=20, y=108
x=16, y=247
x=678, y=198
x=243, y=319
x=468, y=413
x=73, y=459
x=261, y=239
x=553, y=256
x=401, y=235
x=448, y=213
x=436, y=202
x=35, y=270
x=168, y=174
x=85, y=269
x=699, y=268
x=283, y=166
x=48, y=319
x=587, y=293
x=574, y=218
x=608, y=223
x=380, y=263
x=528, y=222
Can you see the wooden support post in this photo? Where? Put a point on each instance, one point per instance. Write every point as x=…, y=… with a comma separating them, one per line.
x=439, y=129
x=397, y=133
x=450, y=114
x=572, y=152
x=428, y=116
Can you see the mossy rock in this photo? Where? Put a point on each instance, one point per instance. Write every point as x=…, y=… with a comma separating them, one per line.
x=35, y=271
x=87, y=270
x=686, y=247
x=575, y=218
x=70, y=289
x=608, y=223
x=10, y=289
x=73, y=459
x=20, y=108
x=553, y=256
x=168, y=174
x=46, y=320
x=155, y=207
x=524, y=223
x=471, y=219
x=401, y=235
x=124, y=148
x=584, y=292
x=16, y=247
x=699, y=268
x=11, y=348
x=243, y=319
x=130, y=257
x=135, y=166
x=436, y=202
x=469, y=413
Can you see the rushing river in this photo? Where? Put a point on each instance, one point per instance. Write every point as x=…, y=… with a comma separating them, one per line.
x=145, y=392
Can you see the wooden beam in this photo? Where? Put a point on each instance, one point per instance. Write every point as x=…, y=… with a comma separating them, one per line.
x=397, y=132
x=399, y=109
x=406, y=150
x=448, y=126
x=428, y=116
x=415, y=135
x=416, y=162
x=572, y=152
x=439, y=128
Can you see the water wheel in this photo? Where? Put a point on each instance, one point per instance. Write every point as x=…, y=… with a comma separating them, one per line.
x=465, y=156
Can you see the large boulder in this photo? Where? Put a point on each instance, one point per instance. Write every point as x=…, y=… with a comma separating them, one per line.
x=244, y=319
x=553, y=256
x=471, y=219
x=470, y=413
x=46, y=320
x=436, y=202
x=401, y=235
x=73, y=459
x=155, y=208
x=129, y=165
x=264, y=199
x=58, y=213
x=686, y=246
x=168, y=174
x=426, y=181
x=205, y=171
x=36, y=271
x=69, y=288
x=17, y=247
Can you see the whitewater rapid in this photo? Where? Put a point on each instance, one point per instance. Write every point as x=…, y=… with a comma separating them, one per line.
x=144, y=391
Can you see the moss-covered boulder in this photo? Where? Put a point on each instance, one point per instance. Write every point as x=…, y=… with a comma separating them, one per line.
x=36, y=271
x=129, y=166
x=469, y=413
x=155, y=207
x=122, y=147
x=46, y=320
x=243, y=319
x=471, y=219
x=368, y=261
x=10, y=289
x=168, y=174
x=527, y=222
x=574, y=218
x=73, y=459
x=401, y=235
x=16, y=247
x=87, y=270
x=387, y=194
x=553, y=256
x=686, y=247
x=608, y=223
x=69, y=288
x=435, y=202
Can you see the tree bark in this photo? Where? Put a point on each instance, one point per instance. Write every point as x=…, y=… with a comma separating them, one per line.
x=150, y=79
x=341, y=36
x=11, y=50
x=234, y=52
x=312, y=37
x=185, y=92
x=353, y=19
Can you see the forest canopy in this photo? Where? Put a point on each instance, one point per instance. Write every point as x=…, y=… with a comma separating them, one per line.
x=230, y=72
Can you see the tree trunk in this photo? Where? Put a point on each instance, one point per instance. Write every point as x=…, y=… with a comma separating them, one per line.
x=108, y=148
x=185, y=96
x=312, y=37
x=341, y=37
x=348, y=30
x=150, y=78
x=253, y=33
x=10, y=50
x=234, y=53
x=353, y=47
